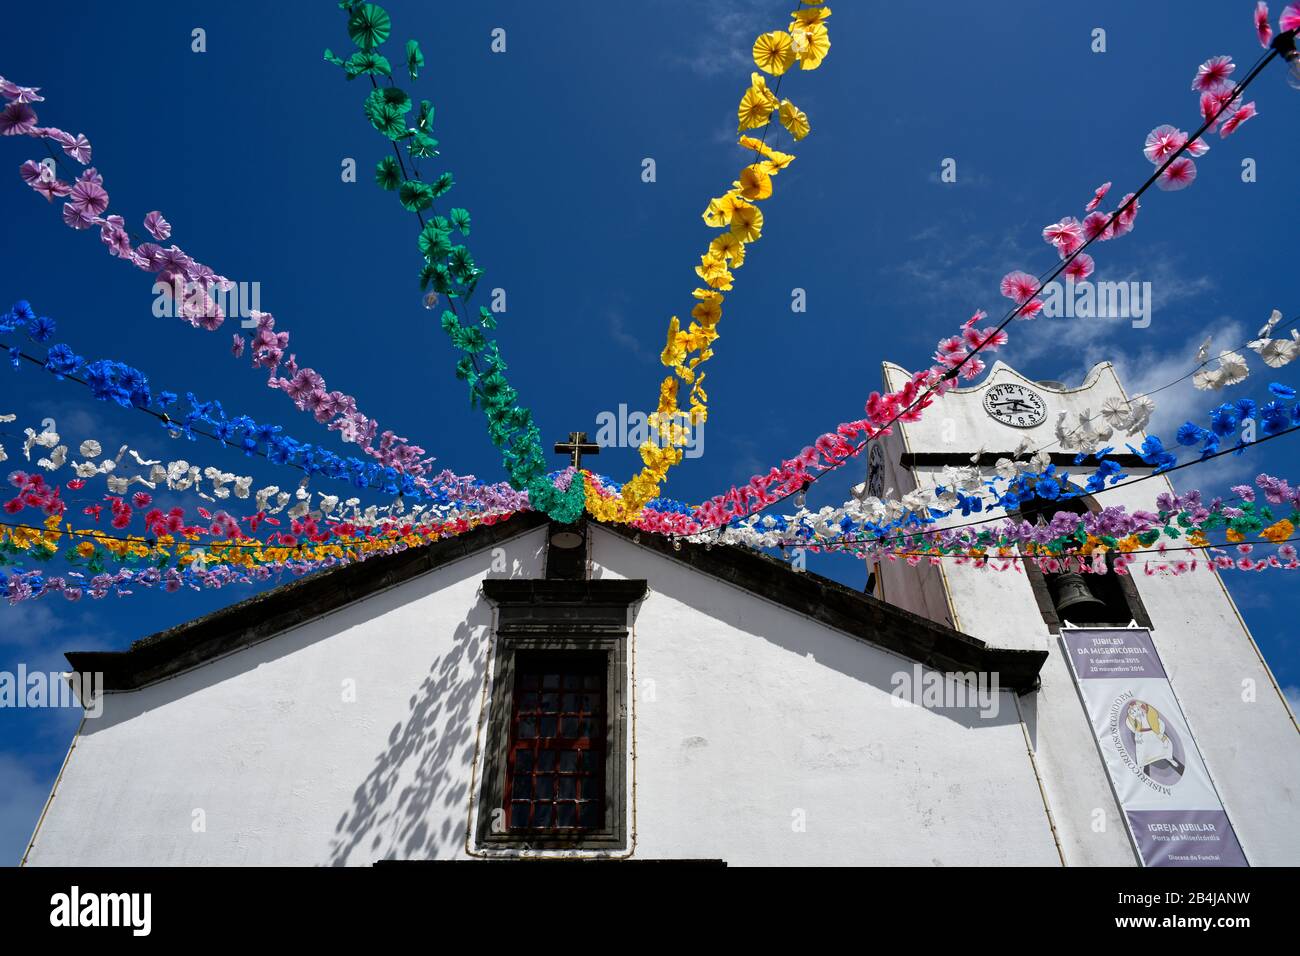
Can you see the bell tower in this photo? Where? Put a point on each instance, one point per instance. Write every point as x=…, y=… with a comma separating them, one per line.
x=1232, y=703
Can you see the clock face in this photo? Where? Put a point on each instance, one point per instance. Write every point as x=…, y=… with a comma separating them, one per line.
x=876, y=470
x=1016, y=405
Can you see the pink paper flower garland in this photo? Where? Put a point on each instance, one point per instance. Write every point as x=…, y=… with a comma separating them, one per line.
x=87, y=206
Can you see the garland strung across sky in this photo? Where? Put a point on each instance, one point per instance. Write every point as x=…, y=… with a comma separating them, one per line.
x=449, y=269
x=889, y=526
x=176, y=564
x=191, y=283
x=1168, y=148
x=806, y=43
x=114, y=381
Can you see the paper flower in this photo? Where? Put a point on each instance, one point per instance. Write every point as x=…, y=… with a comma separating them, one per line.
x=1214, y=72
x=1097, y=197
x=1243, y=113
x=17, y=119
x=757, y=105
x=369, y=26
x=1270, y=325
x=387, y=174
x=414, y=59
x=1080, y=267
x=1179, y=174
x=1276, y=352
x=811, y=40
x=794, y=120
x=778, y=159
x=747, y=222
x=1066, y=236
x=157, y=226
x=386, y=108
x=1232, y=370
x=755, y=182
x=1262, y=28
x=1020, y=287
x=1162, y=142
x=415, y=195
x=774, y=52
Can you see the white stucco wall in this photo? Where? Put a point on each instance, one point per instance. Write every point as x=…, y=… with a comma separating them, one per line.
x=748, y=718
x=1250, y=745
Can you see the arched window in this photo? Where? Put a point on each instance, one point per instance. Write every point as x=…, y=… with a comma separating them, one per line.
x=1087, y=599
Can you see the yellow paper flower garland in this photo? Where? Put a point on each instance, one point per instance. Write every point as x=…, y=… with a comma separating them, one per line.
x=806, y=42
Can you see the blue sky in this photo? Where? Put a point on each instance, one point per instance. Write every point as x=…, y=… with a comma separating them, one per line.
x=241, y=146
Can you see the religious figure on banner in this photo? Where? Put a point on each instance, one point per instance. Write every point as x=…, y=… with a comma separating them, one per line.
x=1151, y=739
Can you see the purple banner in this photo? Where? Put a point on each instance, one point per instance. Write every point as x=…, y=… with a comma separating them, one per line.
x=1170, y=804
x=1116, y=653
x=1185, y=838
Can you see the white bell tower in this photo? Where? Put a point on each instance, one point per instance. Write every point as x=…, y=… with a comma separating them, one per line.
x=1247, y=734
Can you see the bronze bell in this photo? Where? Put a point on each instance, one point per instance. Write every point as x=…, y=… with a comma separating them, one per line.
x=1076, y=603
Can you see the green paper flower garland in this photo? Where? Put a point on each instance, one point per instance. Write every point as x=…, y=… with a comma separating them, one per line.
x=449, y=269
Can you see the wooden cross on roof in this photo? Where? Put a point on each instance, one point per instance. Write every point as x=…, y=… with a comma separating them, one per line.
x=577, y=446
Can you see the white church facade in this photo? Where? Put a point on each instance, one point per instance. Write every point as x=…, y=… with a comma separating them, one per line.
x=534, y=690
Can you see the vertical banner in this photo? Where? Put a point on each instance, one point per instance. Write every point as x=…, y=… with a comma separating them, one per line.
x=1164, y=790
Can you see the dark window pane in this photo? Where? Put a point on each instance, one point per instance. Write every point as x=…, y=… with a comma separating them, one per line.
x=558, y=698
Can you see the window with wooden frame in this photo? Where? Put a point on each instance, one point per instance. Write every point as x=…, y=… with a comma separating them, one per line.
x=554, y=769
x=555, y=760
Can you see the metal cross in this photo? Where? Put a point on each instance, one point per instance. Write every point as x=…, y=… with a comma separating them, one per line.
x=577, y=446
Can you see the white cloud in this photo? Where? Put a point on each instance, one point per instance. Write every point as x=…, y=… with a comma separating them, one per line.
x=618, y=331
x=725, y=42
